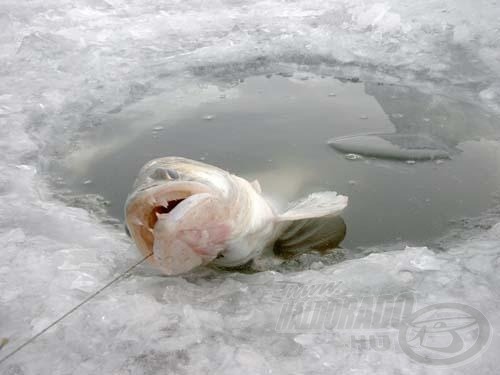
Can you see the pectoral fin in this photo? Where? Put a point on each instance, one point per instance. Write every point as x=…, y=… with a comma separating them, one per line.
x=315, y=205
x=256, y=186
x=319, y=234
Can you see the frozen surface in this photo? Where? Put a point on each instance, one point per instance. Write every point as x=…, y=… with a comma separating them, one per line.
x=66, y=65
x=226, y=323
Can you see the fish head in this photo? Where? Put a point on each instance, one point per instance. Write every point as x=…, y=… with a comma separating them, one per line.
x=179, y=214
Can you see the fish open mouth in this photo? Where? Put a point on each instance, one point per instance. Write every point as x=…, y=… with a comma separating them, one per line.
x=163, y=209
x=143, y=209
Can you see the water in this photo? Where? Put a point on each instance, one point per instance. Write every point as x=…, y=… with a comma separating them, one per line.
x=275, y=129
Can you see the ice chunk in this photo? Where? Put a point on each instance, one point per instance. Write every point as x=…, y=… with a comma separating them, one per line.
x=392, y=146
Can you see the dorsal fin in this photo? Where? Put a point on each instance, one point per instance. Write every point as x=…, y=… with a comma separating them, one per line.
x=321, y=204
x=256, y=186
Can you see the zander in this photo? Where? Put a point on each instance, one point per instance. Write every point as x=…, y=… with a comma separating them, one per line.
x=187, y=214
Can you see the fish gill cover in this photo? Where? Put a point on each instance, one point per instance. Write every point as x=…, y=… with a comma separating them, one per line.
x=66, y=65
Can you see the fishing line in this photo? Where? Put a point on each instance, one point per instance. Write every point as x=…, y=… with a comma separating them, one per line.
x=73, y=309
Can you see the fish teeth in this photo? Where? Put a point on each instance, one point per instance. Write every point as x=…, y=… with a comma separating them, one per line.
x=163, y=202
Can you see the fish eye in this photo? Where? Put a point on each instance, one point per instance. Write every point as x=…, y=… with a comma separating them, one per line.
x=164, y=174
x=172, y=173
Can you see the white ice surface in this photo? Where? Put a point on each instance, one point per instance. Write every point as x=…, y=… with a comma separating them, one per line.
x=65, y=65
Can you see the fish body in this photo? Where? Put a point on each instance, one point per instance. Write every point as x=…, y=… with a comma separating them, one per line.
x=187, y=214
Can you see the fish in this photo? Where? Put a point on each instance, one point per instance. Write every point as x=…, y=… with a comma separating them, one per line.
x=184, y=214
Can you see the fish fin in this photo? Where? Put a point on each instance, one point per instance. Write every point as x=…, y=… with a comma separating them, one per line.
x=321, y=204
x=318, y=234
x=256, y=185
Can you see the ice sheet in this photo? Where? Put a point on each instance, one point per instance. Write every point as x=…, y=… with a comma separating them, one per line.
x=227, y=323
x=66, y=65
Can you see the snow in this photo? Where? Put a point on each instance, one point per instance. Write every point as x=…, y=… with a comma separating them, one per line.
x=66, y=65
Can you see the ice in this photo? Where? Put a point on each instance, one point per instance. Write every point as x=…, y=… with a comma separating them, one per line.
x=68, y=66
x=226, y=322
x=51, y=253
x=391, y=146
x=353, y=156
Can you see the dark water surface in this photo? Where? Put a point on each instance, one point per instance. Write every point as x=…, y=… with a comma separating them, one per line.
x=276, y=129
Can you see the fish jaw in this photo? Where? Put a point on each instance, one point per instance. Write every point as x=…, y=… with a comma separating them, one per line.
x=189, y=234
x=193, y=234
